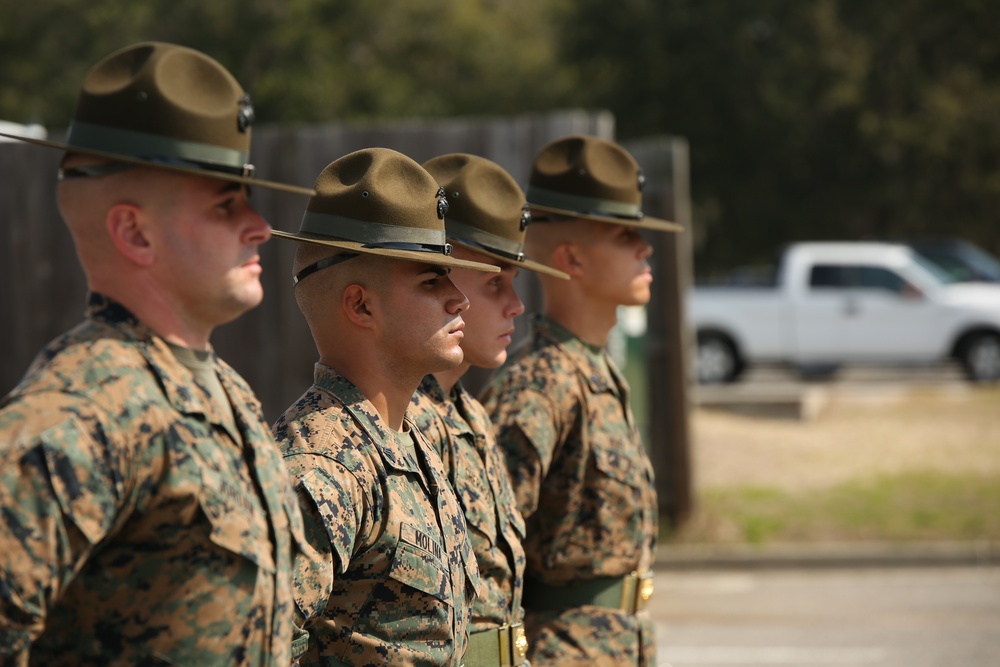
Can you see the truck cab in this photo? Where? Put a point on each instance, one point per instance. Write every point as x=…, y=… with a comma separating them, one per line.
x=839, y=303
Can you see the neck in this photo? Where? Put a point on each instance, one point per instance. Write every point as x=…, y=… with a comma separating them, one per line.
x=153, y=307
x=592, y=323
x=388, y=393
x=448, y=379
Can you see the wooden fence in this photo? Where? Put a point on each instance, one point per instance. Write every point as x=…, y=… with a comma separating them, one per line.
x=43, y=286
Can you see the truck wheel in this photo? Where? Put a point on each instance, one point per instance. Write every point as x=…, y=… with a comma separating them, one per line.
x=980, y=357
x=717, y=361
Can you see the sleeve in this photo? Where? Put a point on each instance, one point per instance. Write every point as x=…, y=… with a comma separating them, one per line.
x=332, y=507
x=59, y=496
x=527, y=432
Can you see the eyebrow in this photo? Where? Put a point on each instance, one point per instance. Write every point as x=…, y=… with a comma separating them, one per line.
x=435, y=269
x=231, y=186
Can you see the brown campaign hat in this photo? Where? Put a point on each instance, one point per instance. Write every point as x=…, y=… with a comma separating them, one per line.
x=378, y=201
x=591, y=178
x=487, y=212
x=166, y=106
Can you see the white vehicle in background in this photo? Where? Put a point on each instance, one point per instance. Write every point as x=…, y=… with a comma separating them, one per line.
x=837, y=303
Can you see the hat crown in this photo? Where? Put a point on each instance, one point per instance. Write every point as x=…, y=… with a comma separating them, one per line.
x=163, y=101
x=488, y=212
x=481, y=195
x=376, y=195
x=584, y=166
x=377, y=201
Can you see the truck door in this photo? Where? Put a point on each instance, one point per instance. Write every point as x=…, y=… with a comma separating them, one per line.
x=890, y=318
x=822, y=315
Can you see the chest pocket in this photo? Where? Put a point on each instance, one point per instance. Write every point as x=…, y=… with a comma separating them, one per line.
x=476, y=496
x=620, y=460
x=238, y=521
x=418, y=564
x=80, y=491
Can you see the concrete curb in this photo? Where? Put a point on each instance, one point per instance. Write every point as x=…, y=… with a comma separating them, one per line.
x=831, y=555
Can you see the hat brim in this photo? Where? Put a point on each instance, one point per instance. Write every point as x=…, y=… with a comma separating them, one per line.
x=528, y=264
x=646, y=222
x=409, y=255
x=194, y=171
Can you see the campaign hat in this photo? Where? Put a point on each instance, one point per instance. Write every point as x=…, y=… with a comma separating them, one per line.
x=590, y=178
x=166, y=106
x=487, y=211
x=378, y=201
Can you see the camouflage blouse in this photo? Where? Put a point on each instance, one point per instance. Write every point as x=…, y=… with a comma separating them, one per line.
x=138, y=529
x=459, y=429
x=584, y=483
x=389, y=576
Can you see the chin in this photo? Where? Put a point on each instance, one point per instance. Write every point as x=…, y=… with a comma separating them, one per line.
x=452, y=359
x=495, y=361
x=639, y=298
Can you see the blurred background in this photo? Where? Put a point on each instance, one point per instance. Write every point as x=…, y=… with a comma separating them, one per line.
x=806, y=120
x=784, y=121
x=795, y=121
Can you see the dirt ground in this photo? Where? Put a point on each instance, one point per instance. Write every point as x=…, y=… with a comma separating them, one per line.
x=855, y=432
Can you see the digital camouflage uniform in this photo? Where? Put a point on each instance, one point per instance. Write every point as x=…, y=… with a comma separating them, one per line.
x=459, y=430
x=389, y=575
x=137, y=530
x=585, y=486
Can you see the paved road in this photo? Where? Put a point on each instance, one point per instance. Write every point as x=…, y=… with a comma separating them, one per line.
x=906, y=617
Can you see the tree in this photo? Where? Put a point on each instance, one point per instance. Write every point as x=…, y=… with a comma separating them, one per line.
x=826, y=119
x=302, y=60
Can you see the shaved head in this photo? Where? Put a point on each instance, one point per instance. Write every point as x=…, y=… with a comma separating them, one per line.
x=318, y=293
x=84, y=204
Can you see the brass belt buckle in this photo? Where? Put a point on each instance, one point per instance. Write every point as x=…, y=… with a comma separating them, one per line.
x=513, y=645
x=645, y=592
x=636, y=592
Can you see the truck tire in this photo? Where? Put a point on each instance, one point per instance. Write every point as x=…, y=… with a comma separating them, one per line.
x=980, y=357
x=717, y=361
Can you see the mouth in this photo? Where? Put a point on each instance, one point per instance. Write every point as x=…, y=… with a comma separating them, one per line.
x=456, y=329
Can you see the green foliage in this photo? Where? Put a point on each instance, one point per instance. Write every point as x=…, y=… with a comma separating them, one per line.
x=302, y=60
x=806, y=120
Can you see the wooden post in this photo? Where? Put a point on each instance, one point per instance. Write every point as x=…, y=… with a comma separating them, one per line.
x=668, y=340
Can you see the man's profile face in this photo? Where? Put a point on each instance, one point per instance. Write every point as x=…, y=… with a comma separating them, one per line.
x=421, y=318
x=208, y=237
x=616, y=266
x=493, y=305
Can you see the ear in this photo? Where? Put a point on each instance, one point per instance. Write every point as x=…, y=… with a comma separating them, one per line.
x=566, y=257
x=355, y=301
x=125, y=223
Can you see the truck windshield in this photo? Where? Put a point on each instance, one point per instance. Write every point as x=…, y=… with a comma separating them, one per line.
x=942, y=276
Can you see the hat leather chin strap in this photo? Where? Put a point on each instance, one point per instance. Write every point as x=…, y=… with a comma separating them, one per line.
x=322, y=264
x=96, y=170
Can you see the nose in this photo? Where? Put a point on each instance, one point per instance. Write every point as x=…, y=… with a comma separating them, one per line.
x=457, y=301
x=258, y=230
x=645, y=250
x=515, y=306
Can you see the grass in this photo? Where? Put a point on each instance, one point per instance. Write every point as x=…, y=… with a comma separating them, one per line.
x=918, y=505
x=919, y=465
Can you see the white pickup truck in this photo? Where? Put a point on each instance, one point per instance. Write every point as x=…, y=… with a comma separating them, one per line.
x=837, y=303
